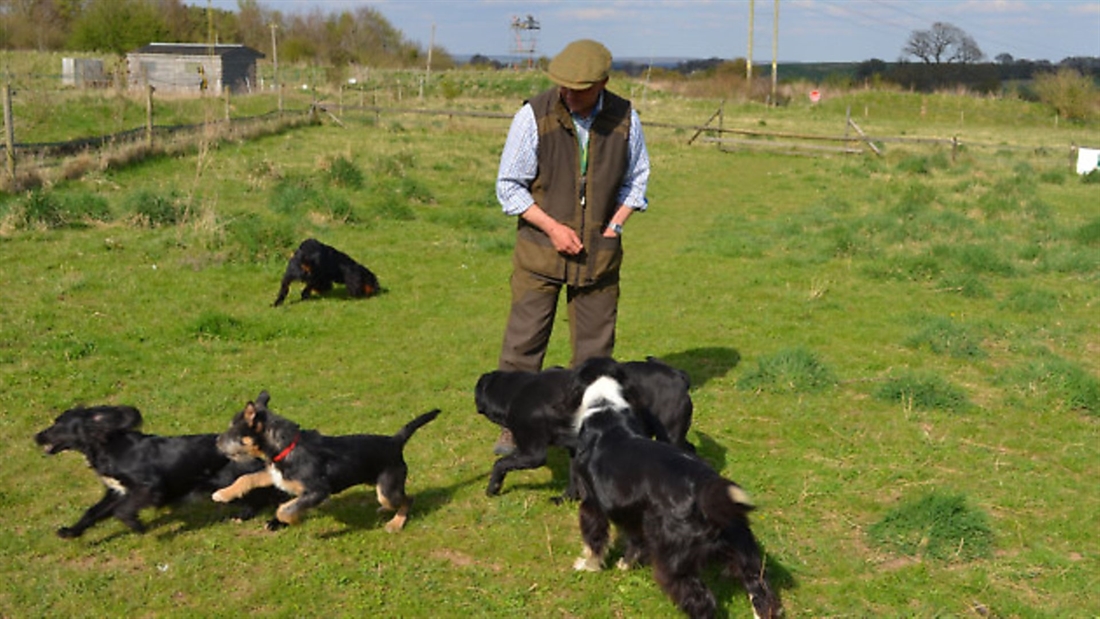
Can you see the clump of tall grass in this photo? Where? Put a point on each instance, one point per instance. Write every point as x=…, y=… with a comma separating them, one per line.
x=1089, y=233
x=342, y=172
x=944, y=336
x=1028, y=300
x=1046, y=376
x=292, y=195
x=968, y=285
x=938, y=525
x=254, y=238
x=156, y=209
x=922, y=390
x=790, y=370
x=44, y=207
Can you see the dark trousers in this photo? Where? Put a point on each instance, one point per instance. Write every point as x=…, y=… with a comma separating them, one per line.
x=592, y=313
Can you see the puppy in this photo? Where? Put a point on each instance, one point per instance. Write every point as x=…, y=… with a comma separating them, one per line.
x=138, y=470
x=672, y=508
x=311, y=467
x=535, y=406
x=319, y=266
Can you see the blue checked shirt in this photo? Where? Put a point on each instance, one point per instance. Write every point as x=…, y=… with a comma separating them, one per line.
x=519, y=161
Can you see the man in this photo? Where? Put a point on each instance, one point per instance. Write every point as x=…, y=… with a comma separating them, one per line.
x=574, y=168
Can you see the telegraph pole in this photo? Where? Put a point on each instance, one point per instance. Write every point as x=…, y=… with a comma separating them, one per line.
x=775, y=51
x=748, y=58
x=275, y=61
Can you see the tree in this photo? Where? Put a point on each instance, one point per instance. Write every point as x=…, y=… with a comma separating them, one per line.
x=943, y=43
x=117, y=26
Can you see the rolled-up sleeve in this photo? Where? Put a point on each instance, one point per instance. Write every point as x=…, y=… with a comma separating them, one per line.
x=518, y=163
x=633, y=190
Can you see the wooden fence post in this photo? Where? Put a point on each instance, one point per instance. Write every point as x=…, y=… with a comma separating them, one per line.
x=149, y=115
x=226, y=89
x=9, y=132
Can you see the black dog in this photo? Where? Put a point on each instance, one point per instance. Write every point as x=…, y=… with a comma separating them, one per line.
x=138, y=470
x=535, y=407
x=311, y=467
x=319, y=266
x=673, y=509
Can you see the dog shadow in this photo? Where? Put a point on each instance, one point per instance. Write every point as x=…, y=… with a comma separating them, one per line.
x=711, y=451
x=168, y=523
x=357, y=511
x=731, y=596
x=336, y=294
x=704, y=364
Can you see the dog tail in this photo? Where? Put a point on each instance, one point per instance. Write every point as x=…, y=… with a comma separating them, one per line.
x=404, y=433
x=724, y=502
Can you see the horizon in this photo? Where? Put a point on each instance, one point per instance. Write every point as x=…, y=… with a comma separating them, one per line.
x=810, y=31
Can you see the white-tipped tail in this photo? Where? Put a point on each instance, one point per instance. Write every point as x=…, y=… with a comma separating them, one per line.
x=739, y=496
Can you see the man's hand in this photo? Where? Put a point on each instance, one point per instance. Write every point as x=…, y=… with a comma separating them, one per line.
x=564, y=238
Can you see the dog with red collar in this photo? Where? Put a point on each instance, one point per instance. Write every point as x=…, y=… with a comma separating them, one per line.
x=312, y=467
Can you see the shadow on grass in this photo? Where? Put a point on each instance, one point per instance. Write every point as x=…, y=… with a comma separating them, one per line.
x=703, y=364
x=732, y=599
x=711, y=451
x=557, y=460
x=338, y=293
x=360, y=510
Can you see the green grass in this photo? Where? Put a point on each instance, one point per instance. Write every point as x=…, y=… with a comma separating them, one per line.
x=906, y=332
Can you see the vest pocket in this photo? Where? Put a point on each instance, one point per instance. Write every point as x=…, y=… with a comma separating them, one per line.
x=605, y=257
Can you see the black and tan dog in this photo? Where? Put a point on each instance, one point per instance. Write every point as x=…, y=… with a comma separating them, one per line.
x=140, y=470
x=312, y=467
x=535, y=407
x=320, y=266
x=673, y=509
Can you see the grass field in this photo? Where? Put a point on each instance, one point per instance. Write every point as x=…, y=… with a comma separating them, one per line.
x=897, y=357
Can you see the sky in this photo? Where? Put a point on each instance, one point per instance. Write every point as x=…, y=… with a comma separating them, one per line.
x=809, y=30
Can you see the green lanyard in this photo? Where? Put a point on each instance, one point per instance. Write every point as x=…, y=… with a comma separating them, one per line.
x=582, y=143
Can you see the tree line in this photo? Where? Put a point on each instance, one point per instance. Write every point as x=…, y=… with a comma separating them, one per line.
x=362, y=36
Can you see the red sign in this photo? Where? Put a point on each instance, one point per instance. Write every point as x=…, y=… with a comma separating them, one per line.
x=815, y=96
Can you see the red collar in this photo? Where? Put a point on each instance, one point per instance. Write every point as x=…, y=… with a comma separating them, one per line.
x=289, y=448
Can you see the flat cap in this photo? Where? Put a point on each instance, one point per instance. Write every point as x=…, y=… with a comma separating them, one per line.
x=581, y=64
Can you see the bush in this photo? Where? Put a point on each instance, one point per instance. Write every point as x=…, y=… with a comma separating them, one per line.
x=937, y=525
x=1072, y=95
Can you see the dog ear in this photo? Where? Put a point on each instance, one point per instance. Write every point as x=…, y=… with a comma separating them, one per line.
x=254, y=417
x=106, y=420
x=263, y=399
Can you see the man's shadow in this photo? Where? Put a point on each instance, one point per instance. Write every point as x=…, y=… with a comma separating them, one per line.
x=704, y=364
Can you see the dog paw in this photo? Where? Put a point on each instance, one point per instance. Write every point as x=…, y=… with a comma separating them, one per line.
x=67, y=533
x=586, y=564
x=275, y=524
x=221, y=496
x=623, y=564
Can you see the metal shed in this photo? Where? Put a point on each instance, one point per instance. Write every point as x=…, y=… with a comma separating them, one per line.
x=191, y=67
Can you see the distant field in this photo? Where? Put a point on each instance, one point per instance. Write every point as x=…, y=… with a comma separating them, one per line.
x=897, y=357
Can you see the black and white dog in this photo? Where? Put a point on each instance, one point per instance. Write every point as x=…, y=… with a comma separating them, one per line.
x=673, y=509
x=535, y=407
x=141, y=470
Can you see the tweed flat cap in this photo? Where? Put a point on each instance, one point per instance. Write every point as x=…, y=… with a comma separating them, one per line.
x=581, y=64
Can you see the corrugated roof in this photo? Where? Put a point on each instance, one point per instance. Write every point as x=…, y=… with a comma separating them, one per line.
x=194, y=49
